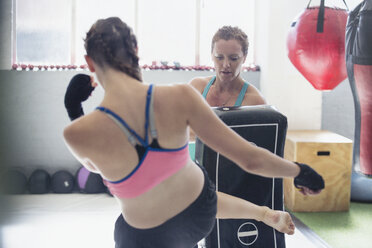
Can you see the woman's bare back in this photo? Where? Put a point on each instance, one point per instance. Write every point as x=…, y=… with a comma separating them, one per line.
x=111, y=154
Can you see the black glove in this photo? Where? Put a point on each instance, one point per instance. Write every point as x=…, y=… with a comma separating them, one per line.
x=78, y=90
x=308, y=178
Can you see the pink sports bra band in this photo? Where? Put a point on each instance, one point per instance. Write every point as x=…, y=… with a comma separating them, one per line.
x=156, y=164
x=143, y=158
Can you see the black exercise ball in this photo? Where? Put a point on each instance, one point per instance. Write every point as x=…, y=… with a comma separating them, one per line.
x=13, y=182
x=39, y=182
x=62, y=182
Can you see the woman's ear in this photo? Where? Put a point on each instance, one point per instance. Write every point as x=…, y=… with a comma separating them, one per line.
x=89, y=63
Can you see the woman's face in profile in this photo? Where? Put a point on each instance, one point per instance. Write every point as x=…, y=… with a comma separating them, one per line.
x=228, y=59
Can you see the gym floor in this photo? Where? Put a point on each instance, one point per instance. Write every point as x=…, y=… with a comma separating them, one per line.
x=82, y=220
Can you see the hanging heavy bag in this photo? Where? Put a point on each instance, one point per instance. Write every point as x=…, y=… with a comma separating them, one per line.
x=359, y=55
x=359, y=68
x=316, y=45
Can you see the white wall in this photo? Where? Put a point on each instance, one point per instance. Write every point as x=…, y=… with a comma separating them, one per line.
x=281, y=84
x=33, y=115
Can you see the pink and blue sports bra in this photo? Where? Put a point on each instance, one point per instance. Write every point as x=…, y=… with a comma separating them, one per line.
x=155, y=163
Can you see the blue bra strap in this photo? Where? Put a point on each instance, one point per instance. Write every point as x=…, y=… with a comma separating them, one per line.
x=130, y=136
x=123, y=123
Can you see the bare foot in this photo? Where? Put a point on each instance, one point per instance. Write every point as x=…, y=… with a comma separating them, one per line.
x=279, y=220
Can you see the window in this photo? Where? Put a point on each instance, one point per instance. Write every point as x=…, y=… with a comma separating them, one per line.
x=217, y=13
x=51, y=32
x=43, y=31
x=166, y=31
x=89, y=11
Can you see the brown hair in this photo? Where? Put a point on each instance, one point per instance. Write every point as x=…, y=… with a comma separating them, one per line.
x=111, y=42
x=232, y=33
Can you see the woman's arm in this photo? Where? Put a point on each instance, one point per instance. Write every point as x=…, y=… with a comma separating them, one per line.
x=73, y=134
x=253, y=97
x=78, y=90
x=199, y=84
x=213, y=132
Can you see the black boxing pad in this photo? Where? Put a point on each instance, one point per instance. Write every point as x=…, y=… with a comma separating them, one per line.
x=265, y=127
x=89, y=182
x=13, y=182
x=39, y=182
x=62, y=182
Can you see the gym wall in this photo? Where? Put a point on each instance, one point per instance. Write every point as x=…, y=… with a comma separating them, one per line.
x=338, y=110
x=33, y=115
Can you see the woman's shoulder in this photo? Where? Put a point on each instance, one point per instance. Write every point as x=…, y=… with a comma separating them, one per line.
x=173, y=91
x=82, y=129
x=253, y=96
x=199, y=83
x=178, y=97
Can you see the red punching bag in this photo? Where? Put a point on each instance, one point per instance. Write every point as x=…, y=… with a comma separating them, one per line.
x=316, y=45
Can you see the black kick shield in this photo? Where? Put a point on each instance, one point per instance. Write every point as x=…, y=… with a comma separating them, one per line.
x=265, y=127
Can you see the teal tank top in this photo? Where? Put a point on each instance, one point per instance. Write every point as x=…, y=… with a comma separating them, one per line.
x=240, y=98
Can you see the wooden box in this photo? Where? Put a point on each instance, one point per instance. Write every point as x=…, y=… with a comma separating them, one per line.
x=330, y=155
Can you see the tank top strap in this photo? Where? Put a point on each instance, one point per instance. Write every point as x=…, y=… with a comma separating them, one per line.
x=240, y=98
x=206, y=89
